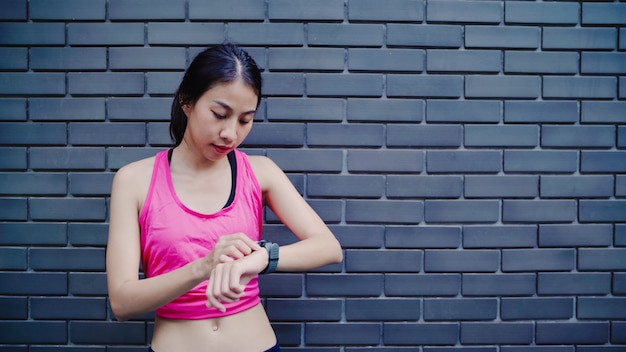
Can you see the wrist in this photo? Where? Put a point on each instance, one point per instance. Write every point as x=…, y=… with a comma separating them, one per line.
x=272, y=250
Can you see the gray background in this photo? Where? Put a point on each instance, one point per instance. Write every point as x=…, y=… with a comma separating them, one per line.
x=469, y=155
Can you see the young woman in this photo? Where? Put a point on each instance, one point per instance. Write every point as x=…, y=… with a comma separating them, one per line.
x=192, y=217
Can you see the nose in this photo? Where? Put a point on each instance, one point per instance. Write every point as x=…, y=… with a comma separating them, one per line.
x=229, y=130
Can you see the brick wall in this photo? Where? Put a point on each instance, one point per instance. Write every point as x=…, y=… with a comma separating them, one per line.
x=469, y=155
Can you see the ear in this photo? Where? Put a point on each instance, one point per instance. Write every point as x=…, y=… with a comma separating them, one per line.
x=185, y=107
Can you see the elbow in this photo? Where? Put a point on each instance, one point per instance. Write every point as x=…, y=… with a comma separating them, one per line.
x=337, y=254
x=120, y=312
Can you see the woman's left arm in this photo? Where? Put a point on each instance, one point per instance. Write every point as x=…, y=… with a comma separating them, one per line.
x=317, y=246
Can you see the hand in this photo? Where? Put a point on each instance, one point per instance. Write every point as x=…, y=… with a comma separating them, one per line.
x=228, y=248
x=229, y=279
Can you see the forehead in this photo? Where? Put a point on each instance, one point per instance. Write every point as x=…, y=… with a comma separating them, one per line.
x=236, y=93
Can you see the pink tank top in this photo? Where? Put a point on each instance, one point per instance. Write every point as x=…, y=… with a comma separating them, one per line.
x=173, y=235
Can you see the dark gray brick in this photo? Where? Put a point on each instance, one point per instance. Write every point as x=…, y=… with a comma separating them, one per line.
x=603, y=161
x=578, y=136
x=29, y=83
x=115, y=133
x=463, y=111
x=438, y=36
x=501, y=136
x=107, y=332
x=579, y=87
x=13, y=209
x=513, y=87
x=376, y=261
x=299, y=109
x=14, y=183
x=366, y=285
x=359, y=186
x=441, y=86
x=470, y=161
x=602, y=210
x=461, y=261
x=463, y=61
x=417, y=186
x=393, y=161
x=283, y=285
x=13, y=308
x=572, y=332
x=323, y=10
x=501, y=186
x=619, y=283
x=359, y=236
x=604, y=14
x=422, y=237
x=601, y=259
x=539, y=211
x=69, y=259
x=424, y=136
x=13, y=109
x=13, y=259
x=377, y=309
x=232, y=10
x=540, y=161
x=67, y=209
x=413, y=285
x=32, y=33
x=13, y=10
x=582, y=38
x=461, y=211
x=23, y=283
x=284, y=34
x=576, y=186
x=285, y=84
x=466, y=11
x=146, y=10
x=537, y=308
x=108, y=83
x=275, y=134
x=139, y=109
x=601, y=308
x=304, y=310
x=385, y=110
x=13, y=59
x=73, y=10
x=621, y=136
x=342, y=333
x=384, y=211
x=120, y=156
x=147, y=58
x=602, y=111
x=454, y=309
x=573, y=283
x=33, y=133
x=30, y=233
x=327, y=160
x=603, y=63
x=164, y=83
x=620, y=185
x=497, y=333
x=64, y=158
x=340, y=84
x=90, y=184
x=68, y=308
x=579, y=235
x=35, y=332
x=405, y=60
x=498, y=284
x=541, y=12
x=105, y=33
x=541, y=111
x=533, y=260
x=541, y=62
x=618, y=333
x=389, y=11
x=164, y=33
x=508, y=236
x=519, y=37
x=345, y=35
x=66, y=109
x=421, y=333
x=88, y=234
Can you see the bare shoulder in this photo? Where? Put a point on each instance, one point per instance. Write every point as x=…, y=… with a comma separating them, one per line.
x=134, y=178
x=266, y=171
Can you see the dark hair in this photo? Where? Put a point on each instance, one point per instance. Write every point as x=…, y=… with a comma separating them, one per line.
x=219, y=64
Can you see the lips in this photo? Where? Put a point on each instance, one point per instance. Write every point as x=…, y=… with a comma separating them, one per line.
x=221, y=149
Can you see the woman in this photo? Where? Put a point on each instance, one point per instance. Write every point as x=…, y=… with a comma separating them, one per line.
x=191, y=216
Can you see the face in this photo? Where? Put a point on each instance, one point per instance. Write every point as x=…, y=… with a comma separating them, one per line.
x=221, y=119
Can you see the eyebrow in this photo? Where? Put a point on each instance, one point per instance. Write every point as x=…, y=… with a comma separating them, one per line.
x=227, y=107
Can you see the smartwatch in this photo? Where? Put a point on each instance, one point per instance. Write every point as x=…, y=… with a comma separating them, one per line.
x=272, y=255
